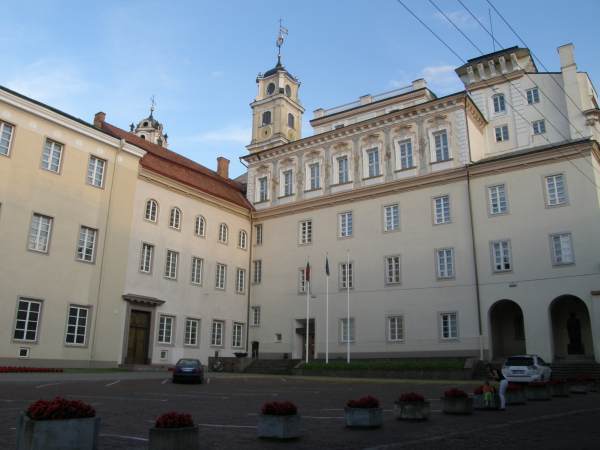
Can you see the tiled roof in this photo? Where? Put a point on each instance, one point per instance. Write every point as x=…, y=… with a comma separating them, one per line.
x=179, y=168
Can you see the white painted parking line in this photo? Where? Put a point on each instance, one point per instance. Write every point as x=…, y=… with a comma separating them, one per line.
x=112, y=384
x=127, y=399
x=284, y=380
x=320, y=417
x=217, y=425
x=46, y=385
x=122, y=436
x=164, y=381
x=333, y=409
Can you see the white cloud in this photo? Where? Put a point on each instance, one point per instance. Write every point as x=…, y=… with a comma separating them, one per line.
x=230, y=133
x=440, y=79
x=460, y=18
x=49, y=81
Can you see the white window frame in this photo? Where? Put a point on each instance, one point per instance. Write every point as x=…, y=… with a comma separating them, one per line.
x=346, y=275
x=255, y=313
x=223, y=233
x=405, y=154
x=449, y=317
x=497, y=199
x=501, y=133
x=217, y=332
x=197, y=270
x=342, y=169
x=559, y=260
x=240, y=281
x=96, y=168
x=395, y=333
x=551, y=185
x=499, y=103
x=86, y=244
x=314, y=175
x=237, y=335
x=263, y=189
x=200, y=226
x=151, y=210
x=533, y=95
x=391, y=217
x=441, y=146
x=171, y=264
x=220, y=276
x=258, y=231
x=77, y=325
x=5, y=148
x=165, y=323
x=287, y=184
x=501, y=255
x=539, y=127
x=39, y=239
x=347, y=331
x=301, y=280
x=305, y=232
x=393, y=269
x=257, y=271
x=373, y=163
x=345, y=224
x=25, y=328
x=175, y=217
x=243, y=240
x=441, y=210
x=52, y=147
x=191, y=332
x=146, y=257
x=445, y=269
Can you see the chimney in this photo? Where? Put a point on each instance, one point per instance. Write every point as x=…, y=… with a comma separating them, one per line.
x=567, y=55
x=223, y=167
x=99, y=119
x=419, y=84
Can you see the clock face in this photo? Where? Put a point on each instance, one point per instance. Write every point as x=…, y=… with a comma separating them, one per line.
x=270, y=88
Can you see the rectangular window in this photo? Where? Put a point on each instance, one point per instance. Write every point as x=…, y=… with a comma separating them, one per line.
x=391, y=218
x=146, y=258
x=165, y=329
x=562, y=249
x=501, y=256
x=86, y=246
x=406, y=154
x=191, y=332
x=533, y=96
x=171, y=264
x=287, y=183
x=262, y=189
x=392, y=269
x=39, y=234
x=77, y=325
x=345, y=224
x=257, y=272
x=449, y=325
x=302, y=281
x=499, y=103
x=441, y=209
x=347, y=330
x=497, y=199
x=6, y=133
x=52, y=156
x=237, y=338
x=240, y=281
x=95, y=173
x=442, y=152
x=539, y=126
x=346, y=276
x=556, y=193
x=501, y=133
x=216, y=335
x=315, y=176
x=221, y=275
x=305, y=232
x=28, y=320
x=395, y=328
x=255, y=315
x=342, y=164
x=373, y=162
x=445, y=263
x=197, y=268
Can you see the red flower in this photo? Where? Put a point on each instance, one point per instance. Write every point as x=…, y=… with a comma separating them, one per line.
x=174, y=420
x=59, y=409
x=363, y=402
x=513, y=387
x=556, y=382
x=455, y=393
x=279, y=409
x=411, y=397
x=538, y=384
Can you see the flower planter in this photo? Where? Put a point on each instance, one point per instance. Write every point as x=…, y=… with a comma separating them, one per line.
x=516, y=397
x=279, y=427
x=457, y=405
x=559, y=390
x=479, y=403
x=70, y=434
x=537, y=393
x=411, y=410
x=363, y=417
x=173, y=438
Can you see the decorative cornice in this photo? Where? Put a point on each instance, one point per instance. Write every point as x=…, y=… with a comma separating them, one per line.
x=143, y=300
x=502, y=78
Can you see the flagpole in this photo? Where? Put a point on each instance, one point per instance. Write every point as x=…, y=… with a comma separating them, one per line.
x=347, y=306
x=307, y=281
x=327, y=314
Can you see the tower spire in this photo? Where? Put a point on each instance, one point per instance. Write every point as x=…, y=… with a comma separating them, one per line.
x=283, y=32
x=152, y=106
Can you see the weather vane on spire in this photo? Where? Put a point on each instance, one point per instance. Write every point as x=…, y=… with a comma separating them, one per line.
x=152, y=105
x=283, y=32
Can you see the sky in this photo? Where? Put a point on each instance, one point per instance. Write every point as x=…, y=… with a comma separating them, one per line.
x=199, y=59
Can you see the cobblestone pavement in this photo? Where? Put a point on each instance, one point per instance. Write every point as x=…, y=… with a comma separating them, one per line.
x=226, y=409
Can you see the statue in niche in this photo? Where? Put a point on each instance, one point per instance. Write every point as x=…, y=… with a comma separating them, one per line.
x=575, y=346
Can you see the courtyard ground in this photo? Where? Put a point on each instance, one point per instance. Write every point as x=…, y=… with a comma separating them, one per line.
x=226, y=409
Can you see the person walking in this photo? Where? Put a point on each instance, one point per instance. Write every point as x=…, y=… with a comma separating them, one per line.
x=496, y=374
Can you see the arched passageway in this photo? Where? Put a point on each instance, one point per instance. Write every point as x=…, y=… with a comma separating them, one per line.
x=571, y=328
x=507, y=329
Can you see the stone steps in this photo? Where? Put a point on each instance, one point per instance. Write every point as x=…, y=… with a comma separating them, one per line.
x=272, y=366
x=574, y=369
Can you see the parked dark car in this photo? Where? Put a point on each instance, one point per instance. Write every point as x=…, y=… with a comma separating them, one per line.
x=188, y=369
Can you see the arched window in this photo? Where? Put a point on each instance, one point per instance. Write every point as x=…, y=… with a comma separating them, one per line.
x=151, y=211
x=200, y=226
x=223, y=233
x=266, y=118
x=290, y=120
x=145, y=124
x=243, y=240
x=143, y=137
x=175, y=218
x=288, y=90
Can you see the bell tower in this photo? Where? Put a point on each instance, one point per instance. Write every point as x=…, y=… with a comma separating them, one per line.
x=276, y=110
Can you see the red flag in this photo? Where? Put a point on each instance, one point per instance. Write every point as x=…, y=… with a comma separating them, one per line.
x=307, y=273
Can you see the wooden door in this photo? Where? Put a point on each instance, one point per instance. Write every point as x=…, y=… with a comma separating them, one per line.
x=139, y=334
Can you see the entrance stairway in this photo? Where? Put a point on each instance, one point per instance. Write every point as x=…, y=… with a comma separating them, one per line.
x=573, y=369
x=272, y=366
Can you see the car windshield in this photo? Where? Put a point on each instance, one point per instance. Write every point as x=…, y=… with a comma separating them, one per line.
x=519, y=361
x=188, y=363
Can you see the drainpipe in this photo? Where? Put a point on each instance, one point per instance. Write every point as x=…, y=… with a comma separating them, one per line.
x=250, y=244
x=474, y=246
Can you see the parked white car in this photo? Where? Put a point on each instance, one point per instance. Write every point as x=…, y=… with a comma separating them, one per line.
x=526, y=368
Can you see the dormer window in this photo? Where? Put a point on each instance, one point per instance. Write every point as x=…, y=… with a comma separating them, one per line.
x=266, y=118
x=145, y=124
x=270, y=88
x=291, y=120
x=499, y=103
